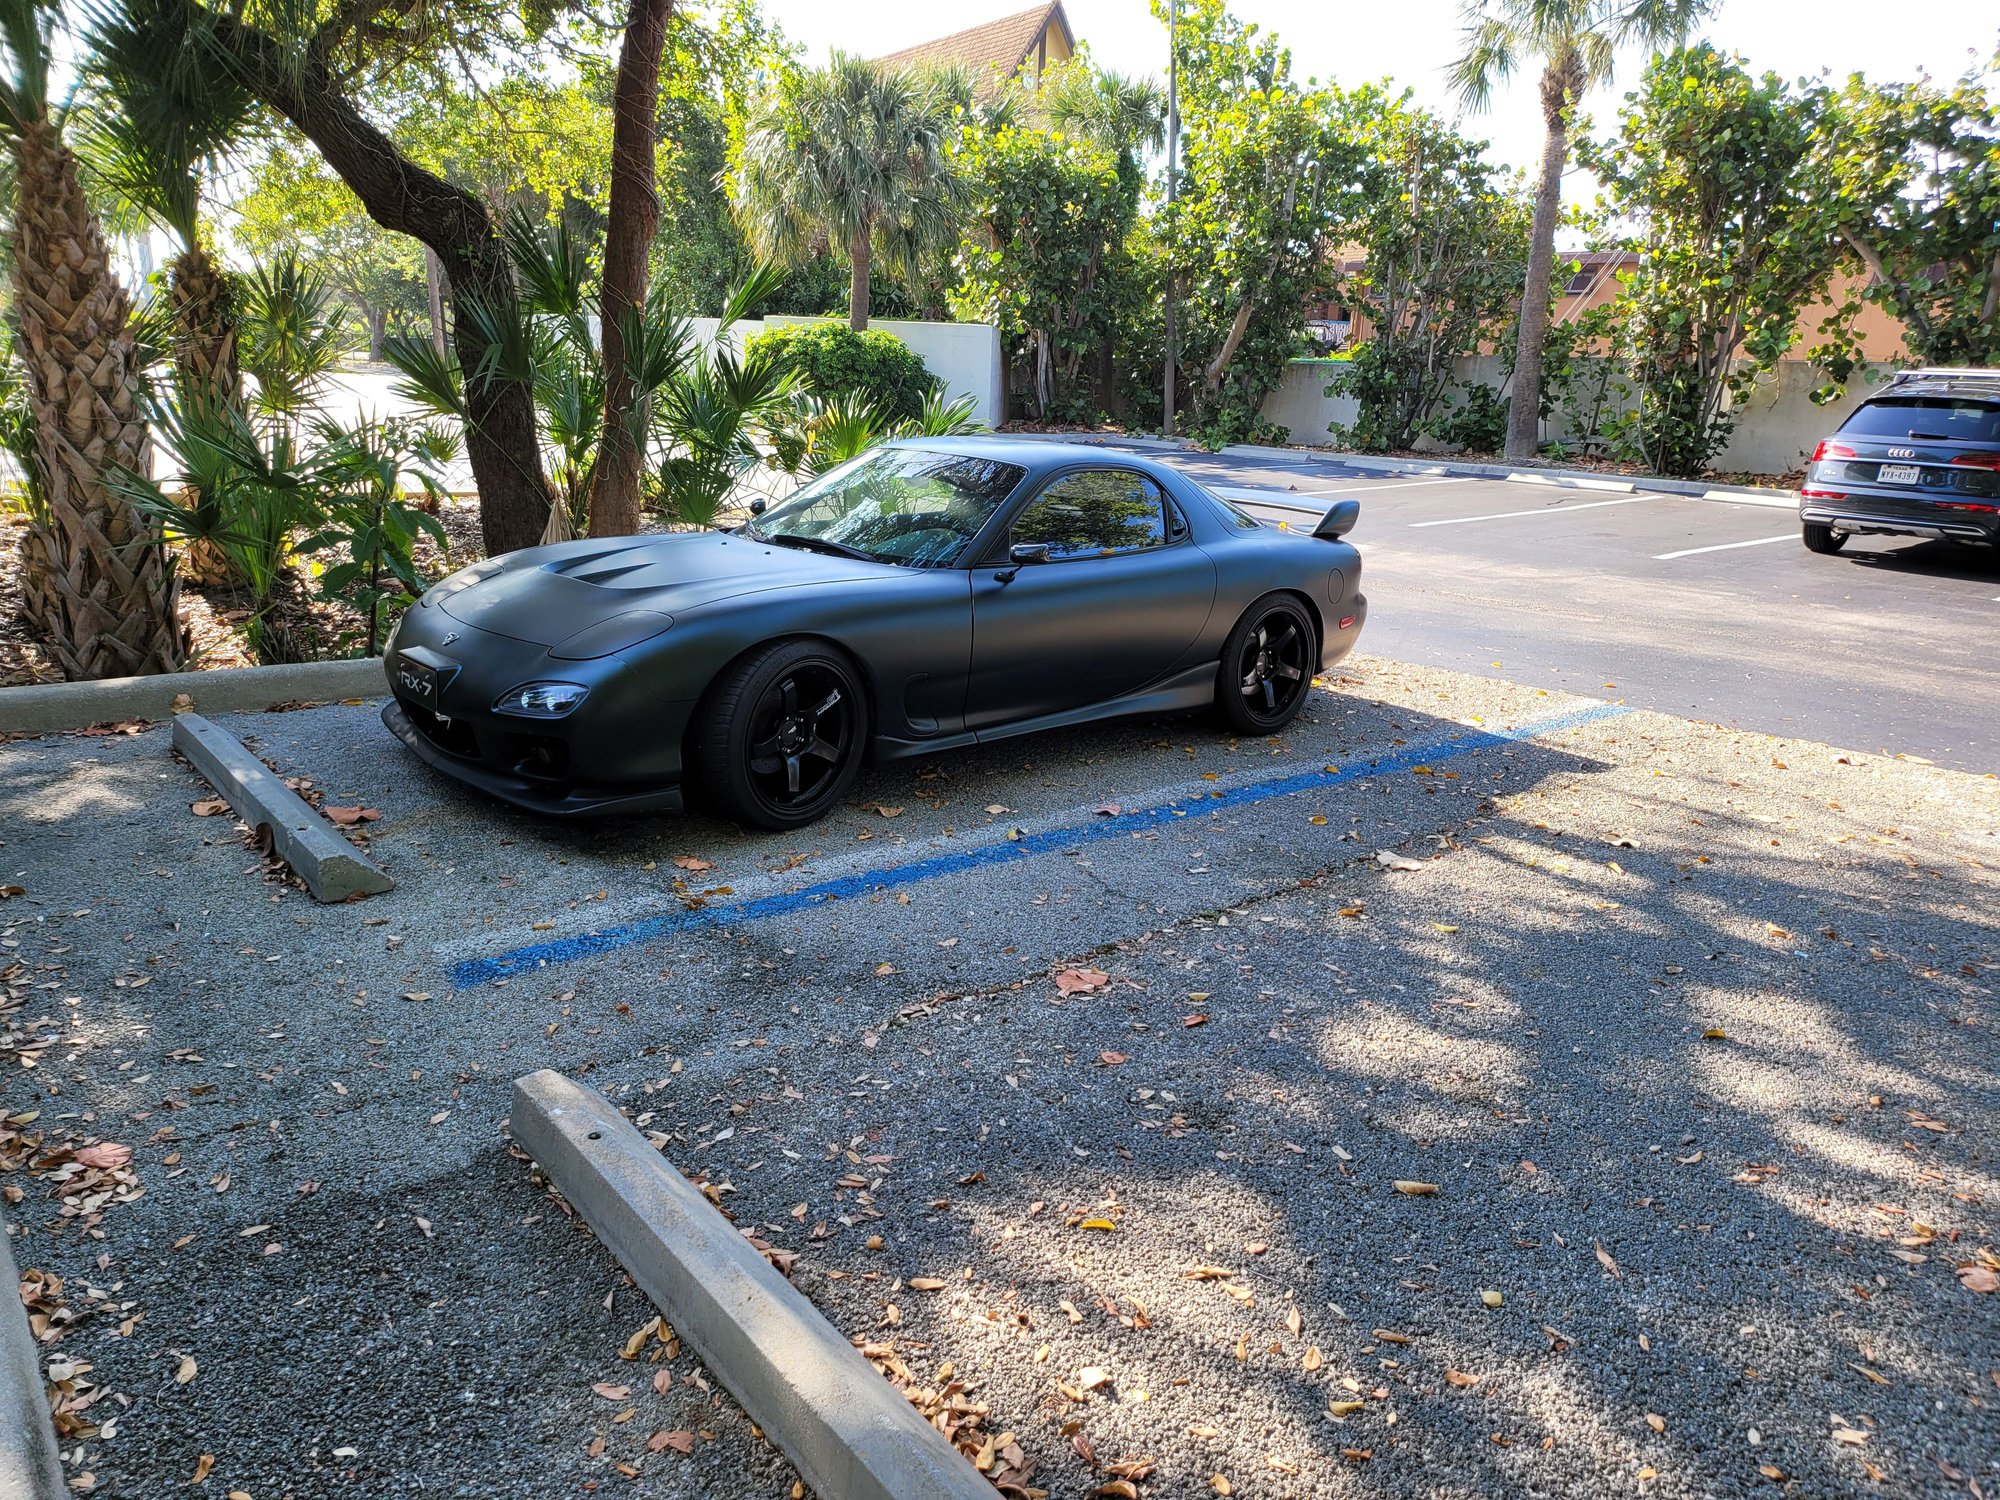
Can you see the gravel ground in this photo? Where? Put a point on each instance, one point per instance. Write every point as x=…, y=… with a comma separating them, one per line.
x=1266, y=1029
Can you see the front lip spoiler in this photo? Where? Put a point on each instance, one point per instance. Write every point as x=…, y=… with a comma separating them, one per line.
x=518, y=791
x=1866, y=525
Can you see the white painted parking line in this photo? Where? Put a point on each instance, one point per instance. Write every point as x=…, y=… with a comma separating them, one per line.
x=1762, y=541
x=1542, y=510
x=1300, y=497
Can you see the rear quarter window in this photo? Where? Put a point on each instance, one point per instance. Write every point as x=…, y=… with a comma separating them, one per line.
x=1954, y=419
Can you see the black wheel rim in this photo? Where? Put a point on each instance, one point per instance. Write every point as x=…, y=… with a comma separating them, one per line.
x=801, y=734
x=1273, y=670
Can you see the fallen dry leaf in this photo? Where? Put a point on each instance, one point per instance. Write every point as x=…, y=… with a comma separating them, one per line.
x=1415, y=1189
x=1080, y=981
x=201, y=1467
x=208, y=807
x=612, y=1392
x=1604, y=1259
x=680, y=1442
x=1461, y=1379
x=926, y=1284
x=347, y=817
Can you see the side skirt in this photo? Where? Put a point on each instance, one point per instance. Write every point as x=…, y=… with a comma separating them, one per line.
x=1192, y=688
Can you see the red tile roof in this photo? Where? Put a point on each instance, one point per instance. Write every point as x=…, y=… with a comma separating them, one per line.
x=992, y=52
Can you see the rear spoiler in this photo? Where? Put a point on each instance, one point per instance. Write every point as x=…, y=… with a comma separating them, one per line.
x=1339, y=520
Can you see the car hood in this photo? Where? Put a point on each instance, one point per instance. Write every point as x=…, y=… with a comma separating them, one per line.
x=547, y=594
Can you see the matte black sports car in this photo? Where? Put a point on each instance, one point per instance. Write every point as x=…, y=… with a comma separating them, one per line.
x=930, y=594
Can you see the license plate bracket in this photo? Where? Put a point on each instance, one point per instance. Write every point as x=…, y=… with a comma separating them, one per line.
x=421, y=676
x=1900, y=474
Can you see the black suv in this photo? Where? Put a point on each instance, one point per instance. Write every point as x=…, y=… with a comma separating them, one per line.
x=1919, y=457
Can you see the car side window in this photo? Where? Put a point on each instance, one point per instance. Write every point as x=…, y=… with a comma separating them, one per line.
x=1095, y=513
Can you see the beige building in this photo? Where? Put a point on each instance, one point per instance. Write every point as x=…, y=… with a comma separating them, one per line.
x=1029, y=41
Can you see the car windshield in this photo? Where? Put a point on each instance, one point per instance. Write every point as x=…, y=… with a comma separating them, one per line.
x=894, y=505
x=1954, y=419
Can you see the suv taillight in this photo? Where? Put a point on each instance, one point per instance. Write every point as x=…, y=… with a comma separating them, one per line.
x=1828, y=449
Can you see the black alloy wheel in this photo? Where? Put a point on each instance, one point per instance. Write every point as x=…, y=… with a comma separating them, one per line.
x=782, y=735
x=1267, y=666
x=1820, y=538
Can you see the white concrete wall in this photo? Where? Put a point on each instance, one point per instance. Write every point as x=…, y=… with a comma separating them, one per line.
x=965, y=357
x=1777, y=425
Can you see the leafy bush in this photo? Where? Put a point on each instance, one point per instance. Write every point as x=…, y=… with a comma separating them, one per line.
x=834, y=363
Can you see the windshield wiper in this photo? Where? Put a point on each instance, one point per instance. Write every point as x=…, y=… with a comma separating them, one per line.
x=821, y=544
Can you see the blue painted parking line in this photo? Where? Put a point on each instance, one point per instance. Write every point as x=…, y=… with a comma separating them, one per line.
x=1279, y=784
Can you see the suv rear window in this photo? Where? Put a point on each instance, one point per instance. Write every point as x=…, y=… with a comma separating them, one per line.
x=1955, y=419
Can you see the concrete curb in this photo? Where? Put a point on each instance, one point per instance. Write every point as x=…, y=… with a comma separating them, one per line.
x=847, y=1430
x=30, y=1468
x=50, y=708
x=330, y=866
x=1558, y=478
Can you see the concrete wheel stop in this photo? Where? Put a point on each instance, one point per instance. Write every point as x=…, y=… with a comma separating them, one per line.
x=850, y=1434
x=332, y=868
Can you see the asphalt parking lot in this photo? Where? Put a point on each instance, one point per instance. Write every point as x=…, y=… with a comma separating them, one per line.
x=1690, y=1028
x=1708, y=608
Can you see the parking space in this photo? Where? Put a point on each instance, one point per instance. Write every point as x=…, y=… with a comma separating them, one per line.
x=1125, y=1036
x=1698, y=607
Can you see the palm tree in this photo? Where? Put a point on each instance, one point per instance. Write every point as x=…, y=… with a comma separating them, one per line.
x=99, y=585
x=159, y=117
x=851, y=157
x=162, y=116
x=1126, y=116
x=1576, y=42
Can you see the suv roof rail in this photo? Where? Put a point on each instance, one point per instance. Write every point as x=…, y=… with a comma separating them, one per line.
x=1946, y=372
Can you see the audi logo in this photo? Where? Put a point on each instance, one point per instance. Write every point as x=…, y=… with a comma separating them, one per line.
x=1902, y=453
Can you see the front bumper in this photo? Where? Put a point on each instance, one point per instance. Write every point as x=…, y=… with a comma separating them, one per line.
x=520, y=791
x=620, y=751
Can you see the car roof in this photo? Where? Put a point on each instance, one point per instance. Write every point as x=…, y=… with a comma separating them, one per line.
x=1037, y=455
x=1979, y=384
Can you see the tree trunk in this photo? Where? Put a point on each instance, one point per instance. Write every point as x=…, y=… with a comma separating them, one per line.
x=859, y=250
x=1524, y=410
x=99, y=586
x=434, y=290
x=500, y=437
x=377, y=321
x=204, y=321
x=633, y=218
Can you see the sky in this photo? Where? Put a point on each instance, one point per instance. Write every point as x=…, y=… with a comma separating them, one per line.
x=1411, y=41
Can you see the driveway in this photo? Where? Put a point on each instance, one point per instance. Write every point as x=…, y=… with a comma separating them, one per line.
x=1552, y=1097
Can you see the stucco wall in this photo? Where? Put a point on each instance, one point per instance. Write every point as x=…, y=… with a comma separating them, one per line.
x=964, y=356
x=1778, y=425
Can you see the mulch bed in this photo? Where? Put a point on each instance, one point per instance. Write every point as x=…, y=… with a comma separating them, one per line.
x=215, y=617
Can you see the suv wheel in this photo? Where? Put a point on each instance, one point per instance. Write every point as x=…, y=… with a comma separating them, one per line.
x=1822, y=538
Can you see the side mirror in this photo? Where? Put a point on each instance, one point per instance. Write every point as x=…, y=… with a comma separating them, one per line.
x=1019, y=556
x=758, y=507
x=1339, y=520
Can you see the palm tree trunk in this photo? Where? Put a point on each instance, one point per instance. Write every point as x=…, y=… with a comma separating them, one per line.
x=1524, y=410
x=859, y=250
x=207, y=372
x=100, y=585
x=633, y=218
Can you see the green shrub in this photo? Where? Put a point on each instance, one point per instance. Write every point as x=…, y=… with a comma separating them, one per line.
x=835, y=363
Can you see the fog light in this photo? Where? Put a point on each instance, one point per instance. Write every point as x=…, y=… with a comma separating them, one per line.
x=542, y=700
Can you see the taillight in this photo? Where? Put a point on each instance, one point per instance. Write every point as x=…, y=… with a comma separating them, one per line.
x=1828, y=449
x=1974, y=460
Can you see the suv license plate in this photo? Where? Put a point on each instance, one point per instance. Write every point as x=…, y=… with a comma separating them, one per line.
x=1900, y=474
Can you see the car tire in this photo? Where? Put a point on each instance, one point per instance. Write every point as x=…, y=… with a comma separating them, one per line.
x=780, y=735
x=1822, y=538
x=1267, y=665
